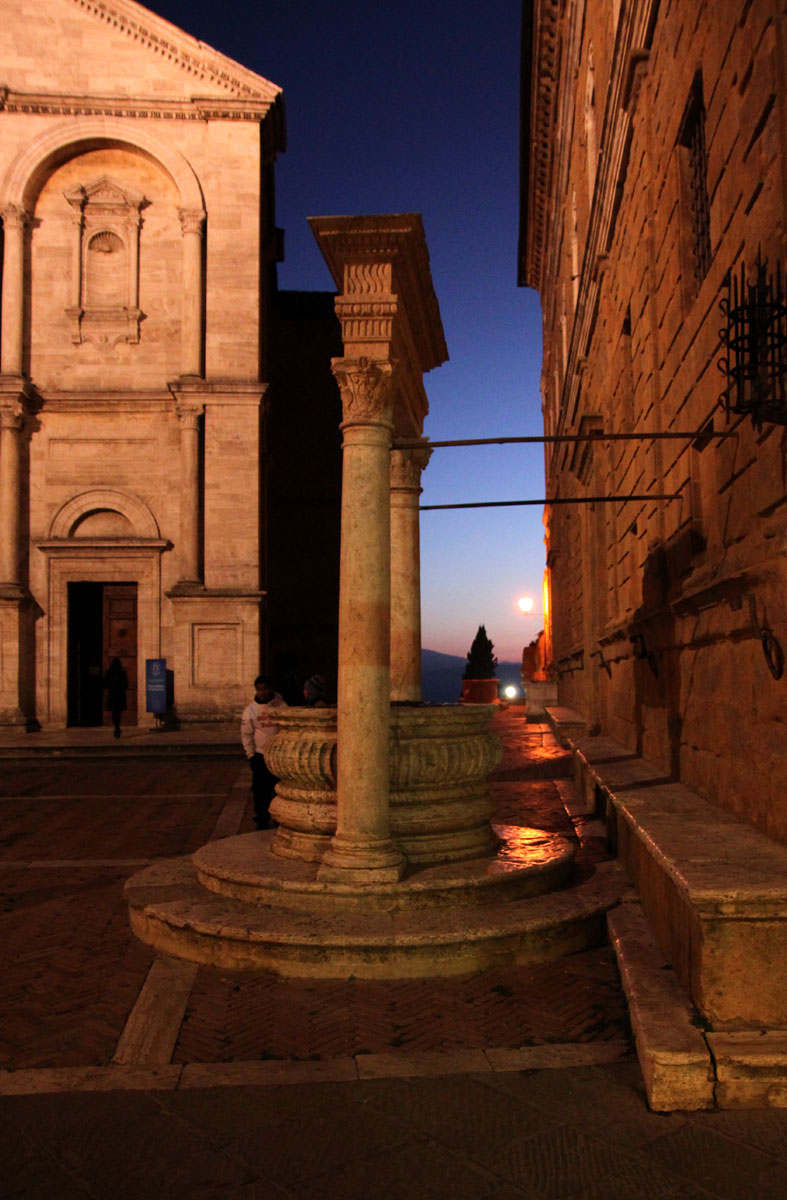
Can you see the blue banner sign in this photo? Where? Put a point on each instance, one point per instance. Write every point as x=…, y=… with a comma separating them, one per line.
x=155, y=685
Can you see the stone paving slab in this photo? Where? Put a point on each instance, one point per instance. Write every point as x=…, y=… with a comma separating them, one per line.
x=576, y=1134
x=533, y=1123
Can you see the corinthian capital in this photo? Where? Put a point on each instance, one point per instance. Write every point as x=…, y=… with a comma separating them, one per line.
x=192, y=220
x=366, y=387
x=406, y=468
x=14, y=216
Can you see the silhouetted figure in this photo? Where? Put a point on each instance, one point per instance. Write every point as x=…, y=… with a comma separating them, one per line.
x=116, y=683
x=257, y=731
x=315, y=692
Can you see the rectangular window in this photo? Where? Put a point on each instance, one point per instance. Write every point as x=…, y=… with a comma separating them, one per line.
x=692, y=139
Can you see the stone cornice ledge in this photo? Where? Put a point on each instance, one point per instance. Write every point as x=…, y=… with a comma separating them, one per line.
x=195, y=591
x=118, y=545
x=193, y=108
x=217, y=391
x=196, y=58
x=398, y=239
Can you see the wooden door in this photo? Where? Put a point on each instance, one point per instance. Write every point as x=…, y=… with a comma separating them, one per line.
x=120, y=640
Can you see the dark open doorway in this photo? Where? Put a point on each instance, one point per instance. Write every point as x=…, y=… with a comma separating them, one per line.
x=102, y=625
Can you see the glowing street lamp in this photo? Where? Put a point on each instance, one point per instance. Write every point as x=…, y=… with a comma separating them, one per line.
x=511, y=692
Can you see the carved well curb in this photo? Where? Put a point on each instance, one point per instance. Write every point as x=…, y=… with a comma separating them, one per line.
x=440, y=759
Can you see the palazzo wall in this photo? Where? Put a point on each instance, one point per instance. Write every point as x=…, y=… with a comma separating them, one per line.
x=654, y=164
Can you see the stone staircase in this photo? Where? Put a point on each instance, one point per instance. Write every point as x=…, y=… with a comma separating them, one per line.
x=703, y=948
x=238, y=905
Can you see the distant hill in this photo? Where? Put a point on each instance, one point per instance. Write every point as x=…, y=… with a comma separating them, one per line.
x=441, y=676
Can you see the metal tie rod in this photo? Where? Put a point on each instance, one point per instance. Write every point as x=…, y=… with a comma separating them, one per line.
x=555, y=500
x=697, y=435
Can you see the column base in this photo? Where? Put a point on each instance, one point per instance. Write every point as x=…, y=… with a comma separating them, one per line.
x=367, y=860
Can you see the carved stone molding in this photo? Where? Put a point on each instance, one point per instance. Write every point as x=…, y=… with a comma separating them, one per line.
x=439, y=762
x=192, y=220
x=366, y=388
x=205, y=66
x=104, y=305
x=368, y=278
x=14, y=217
x=189, y=415
x=12, y=416
x=406, y=468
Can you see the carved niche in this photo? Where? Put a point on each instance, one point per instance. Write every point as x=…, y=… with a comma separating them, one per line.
x=105, y=263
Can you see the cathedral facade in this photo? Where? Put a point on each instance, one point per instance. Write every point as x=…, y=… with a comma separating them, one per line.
x=136, y=195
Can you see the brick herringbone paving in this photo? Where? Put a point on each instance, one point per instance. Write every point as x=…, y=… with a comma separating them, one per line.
x=73, y=970
x=577, y=999
x=237, y=1016
x=135, y=810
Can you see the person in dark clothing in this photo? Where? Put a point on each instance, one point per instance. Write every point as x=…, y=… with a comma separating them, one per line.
x=315, y=692
x=257, y=731
x=116, y=683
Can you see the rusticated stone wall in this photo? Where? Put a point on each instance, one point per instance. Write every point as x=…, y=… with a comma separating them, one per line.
x=659, y=606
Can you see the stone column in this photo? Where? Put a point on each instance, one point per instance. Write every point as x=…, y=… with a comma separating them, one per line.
x=15, y=221
x=192, y=222
x=361, y=849
x=406, y=468
x=11, y=424
x=189, y=419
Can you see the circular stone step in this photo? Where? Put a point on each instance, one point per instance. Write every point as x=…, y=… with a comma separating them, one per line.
x=527, y=863
x=170, y=910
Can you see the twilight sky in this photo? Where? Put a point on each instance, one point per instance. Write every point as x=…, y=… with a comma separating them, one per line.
x=413, y=106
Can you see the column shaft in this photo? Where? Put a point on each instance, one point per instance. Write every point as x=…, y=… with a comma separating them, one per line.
x=10, y=452
x=406, y=467
x=188, y=419
x=192, y=224
x=362, y=848
x=14, y=222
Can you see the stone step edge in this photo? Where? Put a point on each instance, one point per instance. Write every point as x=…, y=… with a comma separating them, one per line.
x=184, y=905
x=683, y=1066
x=674, y=1057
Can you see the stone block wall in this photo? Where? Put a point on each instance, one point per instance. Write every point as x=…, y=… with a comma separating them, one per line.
x=631, y=335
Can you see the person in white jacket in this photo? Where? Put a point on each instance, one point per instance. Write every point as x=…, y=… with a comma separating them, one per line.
x=257, y=731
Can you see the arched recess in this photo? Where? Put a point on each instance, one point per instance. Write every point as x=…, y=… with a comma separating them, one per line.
x=136, y=512
x=106, y=559
x=29, y=169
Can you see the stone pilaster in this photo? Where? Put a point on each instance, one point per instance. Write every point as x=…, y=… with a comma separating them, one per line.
x=15, y=221
x=192, y=223
x=361, y=848
x=11, y=425
x=406, y=468
x=13, y=594
x=189, y=422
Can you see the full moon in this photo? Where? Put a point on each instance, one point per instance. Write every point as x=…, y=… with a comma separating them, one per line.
x=526, y=603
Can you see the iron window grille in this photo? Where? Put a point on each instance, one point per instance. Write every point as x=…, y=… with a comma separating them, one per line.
x=692, y=138
x=755, y=340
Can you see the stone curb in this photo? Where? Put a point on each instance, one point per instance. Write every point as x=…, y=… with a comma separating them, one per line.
x=276, y=1072
x=673, y=1054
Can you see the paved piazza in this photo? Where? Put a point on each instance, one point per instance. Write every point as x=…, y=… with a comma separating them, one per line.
x=127, y=1075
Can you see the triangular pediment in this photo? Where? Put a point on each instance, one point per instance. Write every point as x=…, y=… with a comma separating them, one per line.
x=105, y=191
x=117, y=48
